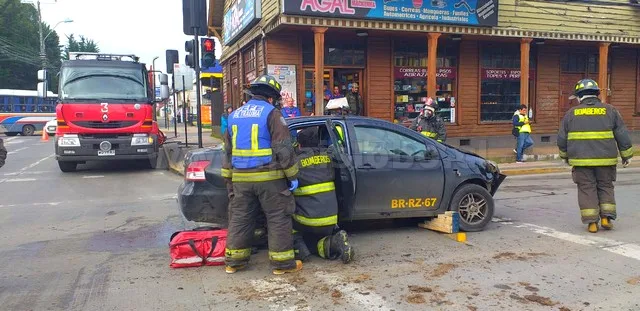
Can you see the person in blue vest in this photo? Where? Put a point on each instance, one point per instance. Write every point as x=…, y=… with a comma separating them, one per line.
x=260, y=170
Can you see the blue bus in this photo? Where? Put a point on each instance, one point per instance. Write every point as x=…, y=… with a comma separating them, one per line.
x=23, y=112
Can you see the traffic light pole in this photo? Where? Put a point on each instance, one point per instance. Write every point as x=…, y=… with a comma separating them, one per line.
x=184, y=112
x=196, y=63
x=175, y=105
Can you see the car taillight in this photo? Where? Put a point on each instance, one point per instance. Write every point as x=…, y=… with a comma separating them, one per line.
x=195, y=171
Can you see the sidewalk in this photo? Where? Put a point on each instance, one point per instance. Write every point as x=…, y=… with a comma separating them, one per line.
x=192, y=136
x=543, y=167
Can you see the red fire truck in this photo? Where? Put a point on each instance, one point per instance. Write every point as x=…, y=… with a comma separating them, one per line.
x=106, y=111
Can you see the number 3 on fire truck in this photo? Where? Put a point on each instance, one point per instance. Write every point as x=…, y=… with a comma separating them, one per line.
x=105, y=107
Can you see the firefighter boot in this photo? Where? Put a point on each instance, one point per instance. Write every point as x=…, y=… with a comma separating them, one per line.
x=300, y=248
x=232, y=270
x=606, y=223
x=593, y=227
x=339, y=244
x=297, y=268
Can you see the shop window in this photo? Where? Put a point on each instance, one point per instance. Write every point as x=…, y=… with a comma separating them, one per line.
x=410, y=79
x=500, y=81
x=337, y=53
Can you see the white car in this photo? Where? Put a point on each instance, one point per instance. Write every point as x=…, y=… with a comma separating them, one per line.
x=51, y=127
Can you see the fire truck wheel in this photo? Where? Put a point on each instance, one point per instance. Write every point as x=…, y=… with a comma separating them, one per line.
x=67, y=167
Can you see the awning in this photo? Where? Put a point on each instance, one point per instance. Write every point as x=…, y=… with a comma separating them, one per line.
x=210, y=75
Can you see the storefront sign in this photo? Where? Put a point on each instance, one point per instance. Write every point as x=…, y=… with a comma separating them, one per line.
x=504, y=74
x=240, y=17
x=460, y=12
x=421, y=72
x=286, y=75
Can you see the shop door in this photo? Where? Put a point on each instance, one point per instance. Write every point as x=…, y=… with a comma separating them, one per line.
x=343, y=78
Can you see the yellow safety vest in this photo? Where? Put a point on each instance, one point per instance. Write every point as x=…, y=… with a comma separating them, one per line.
x=526, y=128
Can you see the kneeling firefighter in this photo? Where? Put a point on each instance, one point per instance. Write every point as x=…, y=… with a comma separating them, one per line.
x=428, y=124
x=316, y=217
x=260, y=169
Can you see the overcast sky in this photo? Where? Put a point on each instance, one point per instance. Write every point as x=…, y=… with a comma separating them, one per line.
x=143, y=27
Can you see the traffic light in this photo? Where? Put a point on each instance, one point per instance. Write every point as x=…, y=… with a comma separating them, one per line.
x=190, y=48
x=208, y=49
x=171, y=58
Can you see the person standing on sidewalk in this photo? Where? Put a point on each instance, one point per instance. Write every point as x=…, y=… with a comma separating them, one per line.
x=3, y=153
x=522, y=127
x=260, y=170
x=590, y=137
x=355, y=101
x=224, y=118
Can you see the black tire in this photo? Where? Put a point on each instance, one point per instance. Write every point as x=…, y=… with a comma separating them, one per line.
x=475, y=206
x=68, y=167
x=28, y=130
x=11, y=133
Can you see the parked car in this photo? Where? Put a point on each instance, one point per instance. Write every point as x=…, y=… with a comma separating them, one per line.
x=51, y=126
x=384, y=170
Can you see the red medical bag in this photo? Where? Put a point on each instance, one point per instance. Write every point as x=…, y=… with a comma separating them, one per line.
x=198, y=247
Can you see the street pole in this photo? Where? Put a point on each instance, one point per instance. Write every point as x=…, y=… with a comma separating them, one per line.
x=184, y=111
x=198, y=104
x=175, y=105
x=43, y=55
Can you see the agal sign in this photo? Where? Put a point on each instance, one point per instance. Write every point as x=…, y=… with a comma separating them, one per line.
x=421, y=72
x=240, y=17
x=504, y=74
x=461, y=12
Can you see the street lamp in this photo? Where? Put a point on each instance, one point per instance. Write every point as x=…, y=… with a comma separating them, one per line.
x=43, y=54
x=68, y=20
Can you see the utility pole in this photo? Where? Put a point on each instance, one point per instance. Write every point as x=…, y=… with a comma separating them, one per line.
x=43, y=54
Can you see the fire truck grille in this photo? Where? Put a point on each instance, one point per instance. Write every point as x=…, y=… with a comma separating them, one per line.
x=105, y=125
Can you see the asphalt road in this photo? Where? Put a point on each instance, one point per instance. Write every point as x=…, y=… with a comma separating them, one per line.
x=97, y=240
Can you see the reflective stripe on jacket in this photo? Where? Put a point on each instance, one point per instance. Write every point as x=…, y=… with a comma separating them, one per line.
x=430, y=127
x=592, y=134
x=250, y=135
x=316, y=202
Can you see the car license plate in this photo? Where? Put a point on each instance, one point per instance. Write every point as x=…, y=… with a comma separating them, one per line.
x=106, y=153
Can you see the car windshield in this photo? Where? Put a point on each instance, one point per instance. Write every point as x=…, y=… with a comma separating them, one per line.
x=100, y=83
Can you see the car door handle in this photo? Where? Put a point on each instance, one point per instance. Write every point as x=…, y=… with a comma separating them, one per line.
x=366, y=166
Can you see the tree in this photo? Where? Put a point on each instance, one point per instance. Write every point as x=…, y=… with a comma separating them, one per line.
x=83, y=45
x=20, y=46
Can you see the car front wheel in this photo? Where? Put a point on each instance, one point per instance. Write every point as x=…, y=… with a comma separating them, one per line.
x=475, y=206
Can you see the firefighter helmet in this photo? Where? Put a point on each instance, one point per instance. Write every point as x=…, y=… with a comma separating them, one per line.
x=266, y=85
x=586, y=87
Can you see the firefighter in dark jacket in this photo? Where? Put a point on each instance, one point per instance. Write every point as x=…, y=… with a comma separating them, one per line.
x=3, y=153
x=260, y=169
x=589, y=139
x=428, y=124
x=315, y=221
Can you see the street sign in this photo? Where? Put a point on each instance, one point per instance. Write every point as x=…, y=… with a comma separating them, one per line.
x=157, y=92
x=180, y=71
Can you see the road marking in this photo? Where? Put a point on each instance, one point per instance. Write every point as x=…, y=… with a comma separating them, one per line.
x=368, y=300
x=11, y=138
x=93, y=177
x=32, y=165
x=20, y=179
x=26, y=173
x=628, y=250
x=17, y=150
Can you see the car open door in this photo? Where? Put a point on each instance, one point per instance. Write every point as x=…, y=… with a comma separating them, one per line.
x=345, y=171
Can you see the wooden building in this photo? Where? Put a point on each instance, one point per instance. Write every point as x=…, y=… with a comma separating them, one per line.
x=480, y=59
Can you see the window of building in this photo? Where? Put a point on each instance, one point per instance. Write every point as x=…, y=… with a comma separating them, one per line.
x=337, y=53
x=500, y=80
x=249, y=59
x=410, y=79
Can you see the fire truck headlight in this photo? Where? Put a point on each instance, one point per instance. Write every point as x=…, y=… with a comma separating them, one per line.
x=141, y=140
x=69, y=140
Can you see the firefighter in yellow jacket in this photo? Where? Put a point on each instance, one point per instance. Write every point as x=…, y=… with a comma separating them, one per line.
x=315, y=220
x=590, y=137
x=260, y=169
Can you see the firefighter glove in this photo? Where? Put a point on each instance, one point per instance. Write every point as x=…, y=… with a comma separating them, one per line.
x=293, y=185
x=626, y=162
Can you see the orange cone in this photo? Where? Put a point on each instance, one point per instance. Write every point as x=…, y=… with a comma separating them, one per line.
x=45, y=135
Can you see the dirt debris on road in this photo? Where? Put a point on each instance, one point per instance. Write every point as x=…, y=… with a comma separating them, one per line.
x=416, y=298
x=336, y=294
x=634, y=281
x=420, y=289
x=521, y=257
x=442, y=269
x=360, y=278
x=540, y=300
